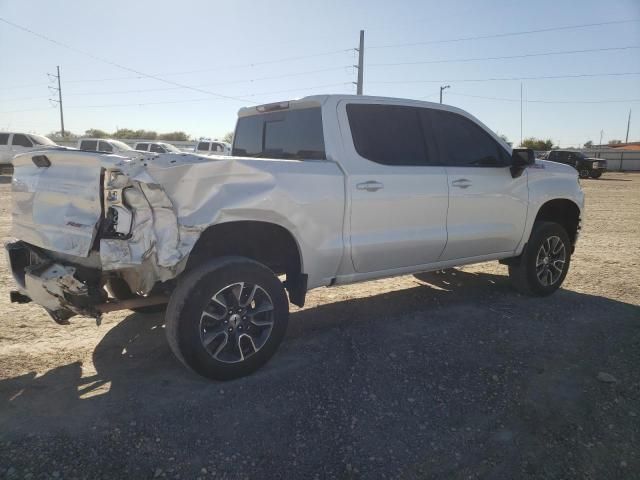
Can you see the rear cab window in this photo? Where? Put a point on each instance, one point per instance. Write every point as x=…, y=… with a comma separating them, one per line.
x=294, y=134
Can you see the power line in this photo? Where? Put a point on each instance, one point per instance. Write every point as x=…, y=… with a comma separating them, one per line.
x=501, y=79
x=505, y=34
x=167, y=102
x=615, y=100
x=115, y=64
x=506, y=57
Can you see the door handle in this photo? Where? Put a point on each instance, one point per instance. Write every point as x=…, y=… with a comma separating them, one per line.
x=370, y=186
x=461, y=183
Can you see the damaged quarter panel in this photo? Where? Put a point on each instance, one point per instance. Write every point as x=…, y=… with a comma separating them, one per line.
x=304, y=197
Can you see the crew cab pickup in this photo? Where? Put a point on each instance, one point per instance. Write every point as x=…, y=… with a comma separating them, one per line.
x=586, y=167
x=321, y=191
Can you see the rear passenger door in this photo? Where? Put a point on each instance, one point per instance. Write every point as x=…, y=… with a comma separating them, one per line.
x=487, y=207
x=398, y=196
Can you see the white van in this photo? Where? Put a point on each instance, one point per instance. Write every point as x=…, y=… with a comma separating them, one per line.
x=11, y=144
x=214, y=147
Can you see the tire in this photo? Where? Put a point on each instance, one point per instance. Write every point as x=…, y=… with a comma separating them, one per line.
x=119, y=289
x=210, y=326
x=531, y=275
x=583, y=173
x=596, y=174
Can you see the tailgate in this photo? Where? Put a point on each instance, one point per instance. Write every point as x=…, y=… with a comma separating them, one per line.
x=58, y=207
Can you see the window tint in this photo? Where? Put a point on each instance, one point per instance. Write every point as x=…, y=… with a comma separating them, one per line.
x=142, y=146
x=463, y=143
x=217, y=147
x=156, y=148
x=21, y=140
x=4, y=138
x=105, y=147
x=291, y=134
x=203, y=146
x=388, y=134
x=91, y=145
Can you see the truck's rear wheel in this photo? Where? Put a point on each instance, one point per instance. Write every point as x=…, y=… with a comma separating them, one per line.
x=545, y=261
x=227, y=318
x=584, y=173
x=596, y=174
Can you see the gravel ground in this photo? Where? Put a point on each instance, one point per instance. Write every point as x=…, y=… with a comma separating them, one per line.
x=449, y=375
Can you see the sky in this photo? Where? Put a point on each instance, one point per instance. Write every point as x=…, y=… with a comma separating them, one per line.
x=130, y=64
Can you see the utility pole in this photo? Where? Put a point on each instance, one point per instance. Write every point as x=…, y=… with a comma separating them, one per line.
x=443, y=87
x=628, y=125
x=601, y=133
x=520, y=113
x=360, y=65
x=59, y=100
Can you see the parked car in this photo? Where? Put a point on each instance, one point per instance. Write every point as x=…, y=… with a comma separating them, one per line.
x=108, y=145
x=586, y=167
x=157, y=147
x=14, y=143
x=321, y=191
x=212, y=148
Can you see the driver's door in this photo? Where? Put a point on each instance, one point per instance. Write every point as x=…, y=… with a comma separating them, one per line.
x=487, y=206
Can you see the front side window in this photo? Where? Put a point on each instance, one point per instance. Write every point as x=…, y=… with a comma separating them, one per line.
x=40, y=140
x=105, y=147
x=464, y=143
x=388, y=134
x=20, y=140
x=4, y=138
x=142, y=146
x=291, y=134
x=156, y=148
x=90, y=145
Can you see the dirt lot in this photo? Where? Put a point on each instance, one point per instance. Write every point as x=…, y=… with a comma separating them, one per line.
x=449, y=376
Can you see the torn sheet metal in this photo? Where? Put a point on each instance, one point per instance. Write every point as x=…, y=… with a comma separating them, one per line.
x=172, y=199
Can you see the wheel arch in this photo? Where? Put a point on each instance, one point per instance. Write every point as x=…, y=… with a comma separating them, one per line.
x=564, y=212
x=265, y=242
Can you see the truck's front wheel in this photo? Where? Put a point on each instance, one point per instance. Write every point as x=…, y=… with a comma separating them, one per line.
x=544, y=263
x=227, y=318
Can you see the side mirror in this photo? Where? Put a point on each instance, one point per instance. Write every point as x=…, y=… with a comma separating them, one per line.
x=520, y=159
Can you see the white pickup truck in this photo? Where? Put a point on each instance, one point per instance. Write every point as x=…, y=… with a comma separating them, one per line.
x=321, y=191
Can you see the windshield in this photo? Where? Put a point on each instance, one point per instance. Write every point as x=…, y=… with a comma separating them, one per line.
x=120, y=145
x=170, y=147
x=40, y=140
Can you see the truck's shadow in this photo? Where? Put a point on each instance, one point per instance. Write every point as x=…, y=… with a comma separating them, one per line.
x=456, y=332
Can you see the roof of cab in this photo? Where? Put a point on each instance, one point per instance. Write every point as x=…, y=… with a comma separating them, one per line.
x=319, y=100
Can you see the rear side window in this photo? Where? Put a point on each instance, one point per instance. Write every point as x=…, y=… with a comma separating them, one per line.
x=21, y=140
x=91, y=145
x=204, y=146
x=217, y=147
x=156, y=148
x=105, y=147
x=4, y=138
x=142, y=146
x=463, y=143
x=388, y=134
x=291, y=134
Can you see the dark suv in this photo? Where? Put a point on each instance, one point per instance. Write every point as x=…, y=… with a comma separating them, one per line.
x=586, y=167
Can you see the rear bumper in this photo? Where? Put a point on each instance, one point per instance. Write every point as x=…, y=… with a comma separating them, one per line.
x=57, y=286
